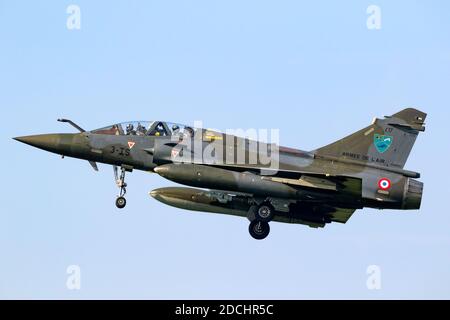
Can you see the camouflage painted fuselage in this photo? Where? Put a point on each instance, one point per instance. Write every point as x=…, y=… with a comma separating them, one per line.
x=364, y=169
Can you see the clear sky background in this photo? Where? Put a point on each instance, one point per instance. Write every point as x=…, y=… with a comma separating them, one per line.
x=312, y=69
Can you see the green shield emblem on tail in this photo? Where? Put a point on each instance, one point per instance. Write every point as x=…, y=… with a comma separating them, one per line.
x=382, y=142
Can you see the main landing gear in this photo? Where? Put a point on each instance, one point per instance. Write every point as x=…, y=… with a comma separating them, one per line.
x=259, y=230
x=121, y=202
x=259, y=227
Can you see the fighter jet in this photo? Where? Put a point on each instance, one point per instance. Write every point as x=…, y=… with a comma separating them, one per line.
x=264, y=182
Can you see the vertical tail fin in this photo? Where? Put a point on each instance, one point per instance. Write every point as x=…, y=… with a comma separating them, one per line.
x=386, y=142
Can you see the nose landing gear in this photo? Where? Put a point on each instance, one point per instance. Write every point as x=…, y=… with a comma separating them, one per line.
x=121, y=202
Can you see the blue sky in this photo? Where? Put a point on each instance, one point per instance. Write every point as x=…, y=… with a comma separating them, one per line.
x=311, y=69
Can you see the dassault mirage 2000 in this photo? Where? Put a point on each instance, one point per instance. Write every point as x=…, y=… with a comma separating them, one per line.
x=261, y=181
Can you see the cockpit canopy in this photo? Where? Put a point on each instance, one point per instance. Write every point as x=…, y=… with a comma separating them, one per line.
x=146, y=128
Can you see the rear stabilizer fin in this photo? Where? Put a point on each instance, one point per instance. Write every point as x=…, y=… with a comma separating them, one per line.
x=386, y=142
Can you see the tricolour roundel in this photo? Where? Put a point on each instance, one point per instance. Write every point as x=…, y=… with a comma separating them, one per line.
x=384, y=184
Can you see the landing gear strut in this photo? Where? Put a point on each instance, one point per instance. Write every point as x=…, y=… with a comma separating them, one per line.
x=121, y=202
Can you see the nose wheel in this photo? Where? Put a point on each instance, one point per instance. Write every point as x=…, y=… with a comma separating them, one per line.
x=121, y=202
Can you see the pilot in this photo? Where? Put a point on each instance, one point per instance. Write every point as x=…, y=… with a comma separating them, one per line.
x=175, y=130
x=140, y=130
x=130, y=130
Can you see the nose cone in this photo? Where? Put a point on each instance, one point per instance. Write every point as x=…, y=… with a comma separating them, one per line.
x=57, y=143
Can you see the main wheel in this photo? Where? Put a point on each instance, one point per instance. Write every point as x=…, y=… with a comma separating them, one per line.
x=264, y=213
x=259, y=230
x=121, y=202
